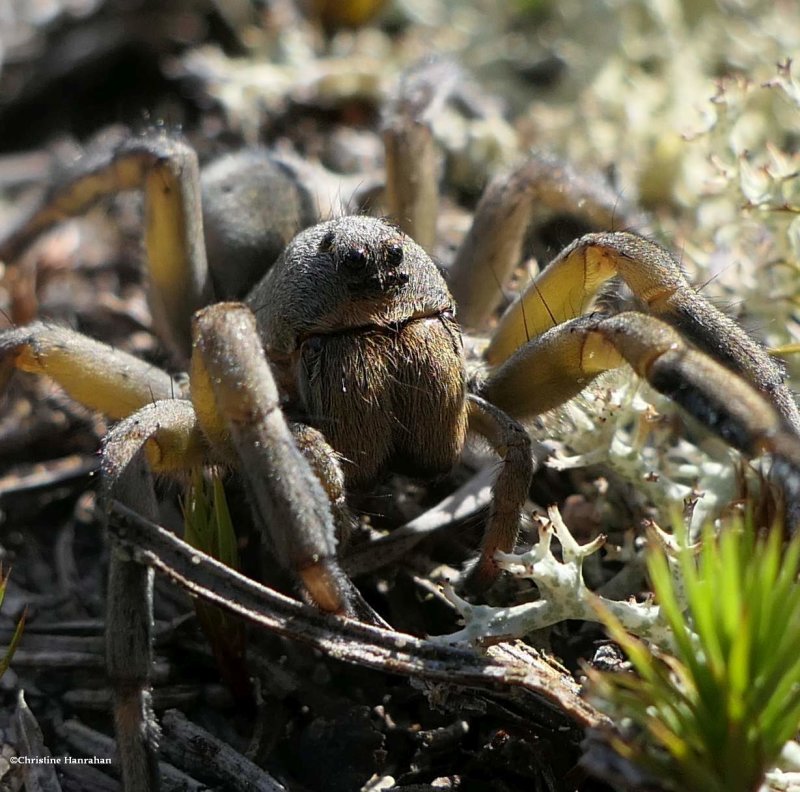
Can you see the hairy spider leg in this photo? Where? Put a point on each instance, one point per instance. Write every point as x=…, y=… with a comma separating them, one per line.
x=236, y=395
x=130, y=451
x=564, y=288
x=97, y=375
x=237, y=413
x=567, y=357
x=537, y=189
x=412, y=156
x=237, y=407
x=511, y=442
x=167, y=172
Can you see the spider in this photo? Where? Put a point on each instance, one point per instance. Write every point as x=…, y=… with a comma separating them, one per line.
x=346, y=359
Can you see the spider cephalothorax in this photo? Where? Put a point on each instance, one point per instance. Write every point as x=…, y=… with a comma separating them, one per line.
x=355, y=312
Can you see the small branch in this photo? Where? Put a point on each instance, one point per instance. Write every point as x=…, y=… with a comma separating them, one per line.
x=203, y=755
x=89, y=742
x=54, y=474
x=535, y=681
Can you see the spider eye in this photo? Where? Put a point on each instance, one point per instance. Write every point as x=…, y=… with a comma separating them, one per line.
x=326, y=243
x=394, y=253
x=313, y=345
x=356, y=259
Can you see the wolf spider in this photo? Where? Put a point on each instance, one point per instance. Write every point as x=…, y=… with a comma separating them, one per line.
x=315, y=370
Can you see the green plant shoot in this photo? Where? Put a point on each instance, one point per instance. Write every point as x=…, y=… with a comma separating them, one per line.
x=208, y=527
x=5, y=660
x=717, y=713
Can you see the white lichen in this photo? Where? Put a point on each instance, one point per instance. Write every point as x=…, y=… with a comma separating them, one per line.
x=563, y=594
x=627, y=427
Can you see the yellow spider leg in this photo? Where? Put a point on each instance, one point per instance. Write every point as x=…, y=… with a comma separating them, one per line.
x=215, y=428
x=176, y=254
x=560, y=292
x=95, y=374
x=565, y=286
x=168, y=432
x=556, y=366
x=72, y=196
x=286, y=496
x=168, y=173
x=413, y=201
x=548, y=371
x=311, y=443
x=513, y=445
